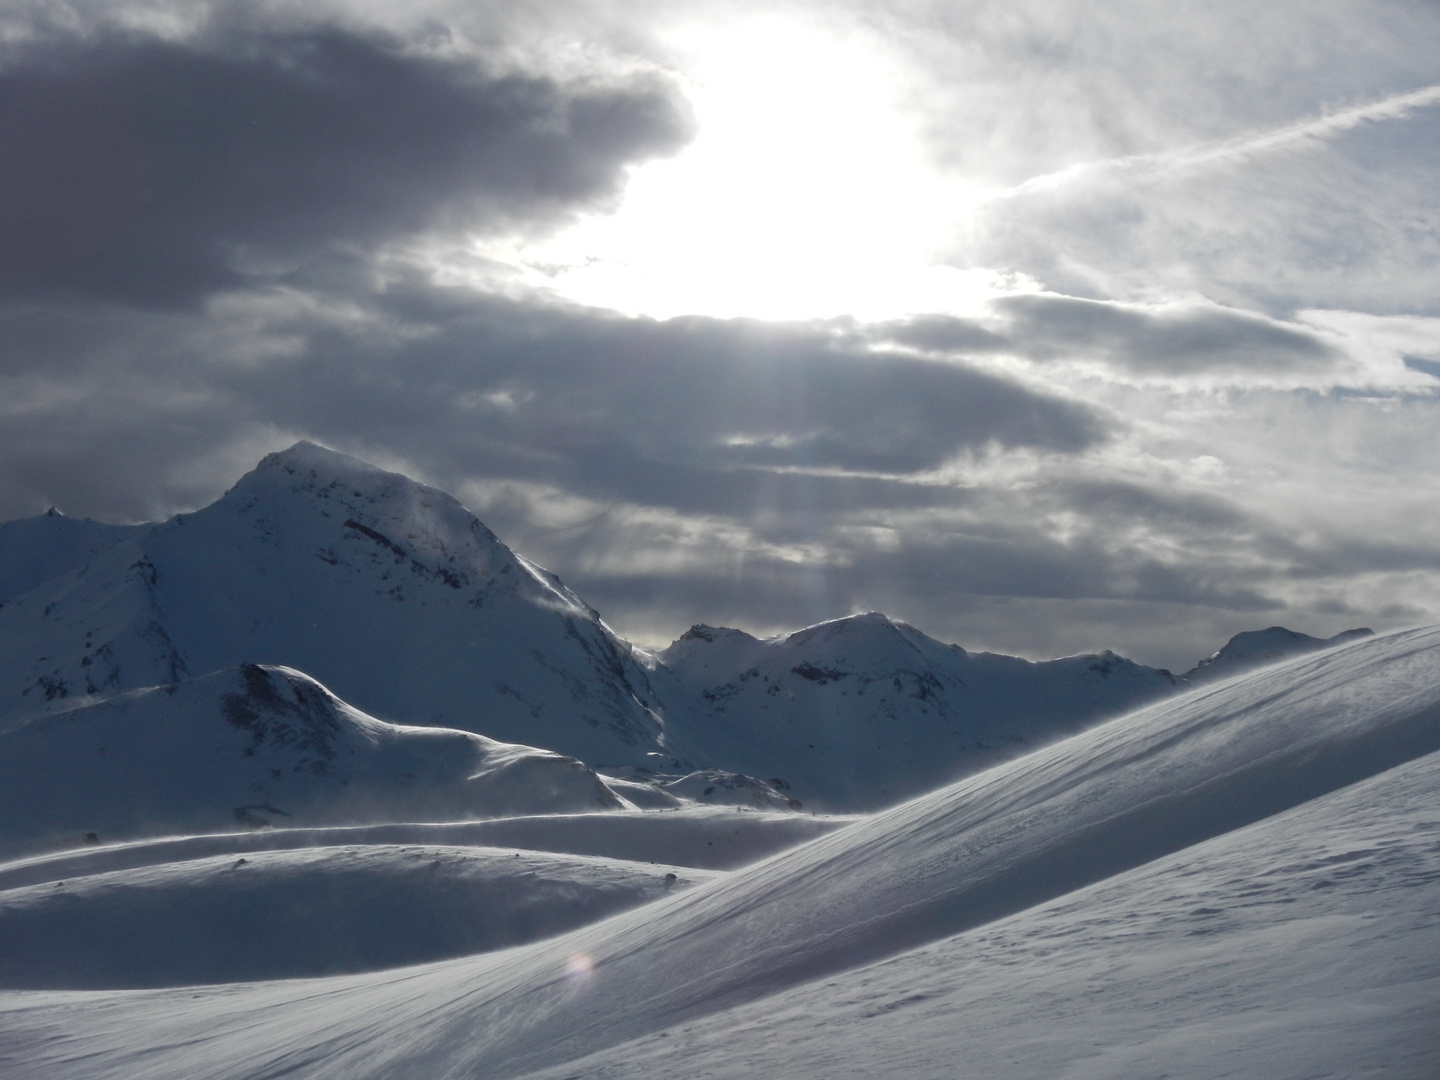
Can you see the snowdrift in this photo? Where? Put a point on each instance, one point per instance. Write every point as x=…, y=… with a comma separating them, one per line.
x=1101, y=811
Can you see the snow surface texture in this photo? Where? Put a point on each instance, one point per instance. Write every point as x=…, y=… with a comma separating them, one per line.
x=1244, y=881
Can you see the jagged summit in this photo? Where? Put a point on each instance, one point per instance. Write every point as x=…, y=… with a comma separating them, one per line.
x=864, y=711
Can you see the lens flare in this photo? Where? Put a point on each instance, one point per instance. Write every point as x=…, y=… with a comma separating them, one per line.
x=578, y=970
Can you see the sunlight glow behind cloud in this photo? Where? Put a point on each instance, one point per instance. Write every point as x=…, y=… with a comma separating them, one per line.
x=806, y=193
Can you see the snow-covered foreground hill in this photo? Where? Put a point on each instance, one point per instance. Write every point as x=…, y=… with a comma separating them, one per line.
x=1243, y=881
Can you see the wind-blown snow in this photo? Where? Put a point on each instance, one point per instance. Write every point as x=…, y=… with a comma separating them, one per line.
x=253, y=747
x=1139, y=829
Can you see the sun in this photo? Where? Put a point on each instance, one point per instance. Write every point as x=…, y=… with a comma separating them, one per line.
x=806, y=193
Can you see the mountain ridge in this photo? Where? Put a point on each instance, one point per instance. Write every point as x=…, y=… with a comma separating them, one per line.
x=407, y=606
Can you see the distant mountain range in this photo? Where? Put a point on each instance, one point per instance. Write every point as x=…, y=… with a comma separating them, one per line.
x=380, y=601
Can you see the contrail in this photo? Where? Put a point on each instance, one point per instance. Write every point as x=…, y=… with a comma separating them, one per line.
x=1314, y=130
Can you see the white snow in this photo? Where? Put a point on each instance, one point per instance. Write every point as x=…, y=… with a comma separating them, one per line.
x=387, y=591
x=254, y=747
x=401, y=602
x=863, y=712
x=489, y=861
x=1302, y=946
x=1242, y=881
x=1256, y=648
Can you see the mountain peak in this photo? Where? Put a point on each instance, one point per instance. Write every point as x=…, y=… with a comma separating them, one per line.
x=312, y=467
x=313, y=456
x=1256, y=648
x=868, y=622
x=409, y=519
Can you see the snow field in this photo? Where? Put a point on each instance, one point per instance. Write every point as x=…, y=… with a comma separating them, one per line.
x=1100, y=811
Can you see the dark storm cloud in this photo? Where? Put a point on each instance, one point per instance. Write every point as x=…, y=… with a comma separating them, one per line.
x=1178, y=512
x=619, y=404
x=155, y=171
x=1154, y=341
x=945, y=568
x=700, y=415
x=630, y=426
x=1178, y=341
x=941, y=333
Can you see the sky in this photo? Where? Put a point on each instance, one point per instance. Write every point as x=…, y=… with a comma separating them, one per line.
x=1045, y=327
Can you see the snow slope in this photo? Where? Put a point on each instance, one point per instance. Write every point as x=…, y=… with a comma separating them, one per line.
x=862, y=712
x=1083, y=866
x=699, y=837
x=34, y=550
x=1302, y=946
x=385, y=590
x=306, y=912
x=252, y=747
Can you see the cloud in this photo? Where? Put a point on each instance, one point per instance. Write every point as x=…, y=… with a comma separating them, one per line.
x=691, y=413
x=1319, y=214
x=1173, y=340
x=1169, y=340
x=1297, y=134
x=672, y=471
x=212, y=240
x=155, y=171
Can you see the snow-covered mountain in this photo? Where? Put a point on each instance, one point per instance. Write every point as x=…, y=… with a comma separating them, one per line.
x=255, y=747
x=1256, y=648
x=1240, y=881
x=863, y=712
x=400, y=601
x=34, y=550
x=387, y=591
